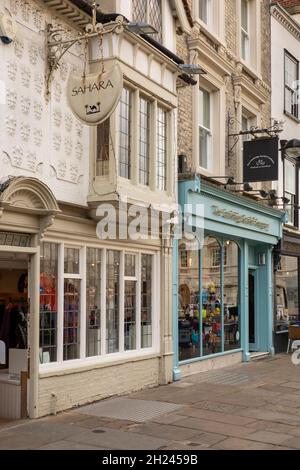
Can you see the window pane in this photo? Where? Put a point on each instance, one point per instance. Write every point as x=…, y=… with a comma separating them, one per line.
x=161, y=150
x=287, y=302
x=48, y=302
x=231, y=297
x=245, y=15
x=144, y=145
x=290, y=207
x=71, y=260
x=188, y=306
x=102, y=162
x=112, y=301
x=146, y=302
x=93, y=302
x=71, y=319
x=130, y=315
x=290, y=177
x=155, y=17
x=211, y=297
x=130, y=265
x=205, y=148
x=124, y=134
x=203, y=10
x=205, y=109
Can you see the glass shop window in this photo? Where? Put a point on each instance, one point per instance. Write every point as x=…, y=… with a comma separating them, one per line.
x=188, y=305
x=287, y=293
x=231, y=297
x=93, y=302
x=211, y=297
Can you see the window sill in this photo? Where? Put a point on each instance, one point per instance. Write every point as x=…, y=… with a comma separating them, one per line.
x=291, y=116
x=250, y=70
x=211, y=34
x=84, y=365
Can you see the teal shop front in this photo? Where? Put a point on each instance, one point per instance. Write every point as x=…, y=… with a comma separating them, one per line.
x=223, y=289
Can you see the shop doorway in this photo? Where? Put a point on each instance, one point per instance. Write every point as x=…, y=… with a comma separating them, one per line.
x=252, y=310
x=14, y=314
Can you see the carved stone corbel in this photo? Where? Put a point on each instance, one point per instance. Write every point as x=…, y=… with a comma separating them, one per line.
x=45, y=222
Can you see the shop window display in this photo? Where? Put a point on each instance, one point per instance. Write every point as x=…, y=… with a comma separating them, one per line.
x=93, y=302
x=188, y=315
x=211, y=297
x=287, y=293
x=231, y=296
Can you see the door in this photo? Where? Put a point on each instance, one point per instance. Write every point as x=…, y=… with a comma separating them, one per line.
x=252, y=311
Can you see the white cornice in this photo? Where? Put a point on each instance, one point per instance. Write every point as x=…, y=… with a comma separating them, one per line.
x=283, y=17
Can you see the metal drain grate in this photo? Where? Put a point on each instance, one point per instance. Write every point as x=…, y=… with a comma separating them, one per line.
x=129, y=409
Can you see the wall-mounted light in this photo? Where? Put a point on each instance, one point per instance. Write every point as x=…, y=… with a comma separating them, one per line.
x=192, y=69
x=261, y=259
x=8, y=28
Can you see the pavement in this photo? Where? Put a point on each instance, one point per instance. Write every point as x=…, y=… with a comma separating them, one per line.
x=253, y=406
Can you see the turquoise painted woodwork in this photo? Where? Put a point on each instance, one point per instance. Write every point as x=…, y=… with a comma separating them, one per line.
x=256, y=229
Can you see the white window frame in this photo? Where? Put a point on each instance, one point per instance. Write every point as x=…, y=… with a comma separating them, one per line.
x=214, y=85
x=208, y=131
x=290, y=189
x=252, y=62
x=214, y=27
x=121, y=354
x=245, y=33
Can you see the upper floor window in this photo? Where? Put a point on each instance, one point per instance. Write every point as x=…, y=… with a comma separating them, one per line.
x=205, y=128
x=291, y=77
x=148, y=11
x=141, y=151
x=205, y=7
x=290, y=189
x=245, y=30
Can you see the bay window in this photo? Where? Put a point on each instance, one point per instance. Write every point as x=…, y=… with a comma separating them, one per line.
x=142, y=150
x=95, y=302
x=125, y=134
x=161, y=149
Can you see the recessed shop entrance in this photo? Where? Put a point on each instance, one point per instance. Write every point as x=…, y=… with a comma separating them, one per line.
x=14, y=314
x=252, y=310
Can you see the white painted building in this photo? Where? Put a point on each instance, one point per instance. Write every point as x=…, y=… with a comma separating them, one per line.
x=99, y=311
x=285, y=27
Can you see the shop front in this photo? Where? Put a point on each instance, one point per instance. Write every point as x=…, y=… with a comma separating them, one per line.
x=223, y=301
x=286, y=280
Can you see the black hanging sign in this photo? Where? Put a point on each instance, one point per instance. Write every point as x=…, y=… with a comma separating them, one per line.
x=261, y=160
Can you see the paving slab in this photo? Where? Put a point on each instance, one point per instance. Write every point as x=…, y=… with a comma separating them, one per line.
x=119, y=440
x=68, y=445
x=166, y=431
x=216, y=416
x=270, y=437
x=294, y=443
x=234, y=443
x=214, y=427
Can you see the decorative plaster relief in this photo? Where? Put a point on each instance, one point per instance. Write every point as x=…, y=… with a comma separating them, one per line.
x=63, y=71
x=25, y=131
x=57, y=117
x=56, y=142
x=38, y=110
x=12, y=69
x=57, y=91
x=68, y=122
x=13, y=6
x=38, y=19
x=31, y=160
x=78, y=151
x=17, y=156
x=25, y=76
x=25, y=105
x=38, y=82
x=19, y=48
x=61, y=169
x=37, y=137
x=79, y=129
x=68, y=146
x=11, y=125
x=33, y=54
x=11, y=99
x=74, y=173
x=25, y=11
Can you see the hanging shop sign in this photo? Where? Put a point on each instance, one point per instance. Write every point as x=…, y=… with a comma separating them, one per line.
x=261, y=160
x=94, y=97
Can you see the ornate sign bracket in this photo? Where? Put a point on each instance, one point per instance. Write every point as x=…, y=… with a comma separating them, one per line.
x=57, y=46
